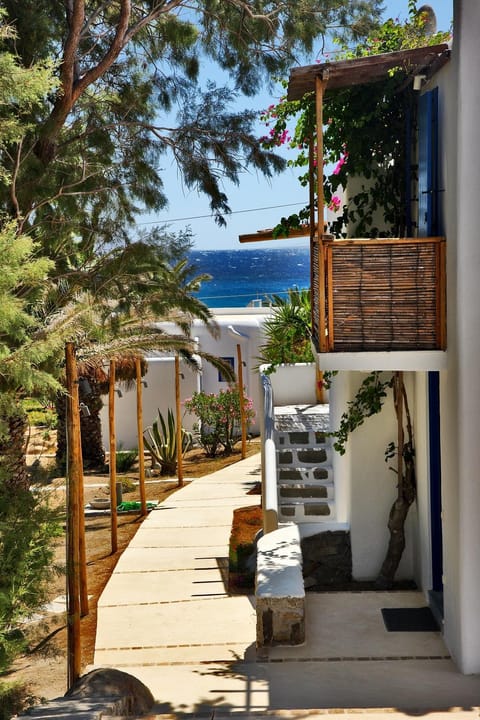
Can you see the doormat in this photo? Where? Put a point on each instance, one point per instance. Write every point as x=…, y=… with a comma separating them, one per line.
x=418, y=619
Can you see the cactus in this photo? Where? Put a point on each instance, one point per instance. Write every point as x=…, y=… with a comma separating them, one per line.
x=161, y=441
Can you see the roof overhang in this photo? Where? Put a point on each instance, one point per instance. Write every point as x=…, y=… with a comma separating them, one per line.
x=358, y=71
x=303, y=231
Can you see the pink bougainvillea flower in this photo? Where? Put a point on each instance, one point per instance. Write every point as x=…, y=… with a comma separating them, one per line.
x=335, y=203
x=338, y=166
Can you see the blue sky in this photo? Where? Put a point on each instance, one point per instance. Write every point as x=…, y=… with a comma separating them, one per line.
x=256, y=203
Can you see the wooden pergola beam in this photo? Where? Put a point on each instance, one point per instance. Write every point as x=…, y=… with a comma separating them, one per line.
x=263, y=235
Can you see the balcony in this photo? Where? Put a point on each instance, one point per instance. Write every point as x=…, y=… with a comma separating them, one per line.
x=384, y=296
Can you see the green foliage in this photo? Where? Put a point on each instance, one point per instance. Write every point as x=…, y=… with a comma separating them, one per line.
x=368, y=401
x=128, y=485
x=246, y=524
x=125, y=460
x=364, y=136
x=288, y=331
x=40, y=413
x=91, y=159
x=219, y=419
x=161, y=440
x=14, y=699
x=28, y=528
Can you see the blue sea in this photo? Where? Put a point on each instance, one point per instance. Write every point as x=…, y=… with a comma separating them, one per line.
x=241, y=277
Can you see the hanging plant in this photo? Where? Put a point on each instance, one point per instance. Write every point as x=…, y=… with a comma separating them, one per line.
x=364, y=137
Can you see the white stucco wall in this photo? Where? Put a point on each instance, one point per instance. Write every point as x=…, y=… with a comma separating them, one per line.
x=160, y=393
x=373, y=488
x=460, y=386
x=294, y=384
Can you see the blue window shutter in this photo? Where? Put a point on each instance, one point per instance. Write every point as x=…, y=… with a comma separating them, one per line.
x=429, y=223
x=428, y=174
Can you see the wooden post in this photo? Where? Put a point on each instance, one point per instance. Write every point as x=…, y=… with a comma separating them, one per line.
x=112, y=458
x=179, y=422
x=82, y=545
x=322, y=337
x=243, y=423
x=314, y=287
x=141, y=458
x=72, y=549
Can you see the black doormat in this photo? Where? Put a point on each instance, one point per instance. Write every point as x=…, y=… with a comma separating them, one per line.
x=409, y=619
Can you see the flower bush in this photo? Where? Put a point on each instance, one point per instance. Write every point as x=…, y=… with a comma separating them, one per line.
x=219, y=424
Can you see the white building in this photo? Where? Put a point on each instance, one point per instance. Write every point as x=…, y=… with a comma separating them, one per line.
x=237, y=326
x=443, y=380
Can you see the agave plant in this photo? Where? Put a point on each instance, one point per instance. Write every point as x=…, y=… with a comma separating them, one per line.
x=161, y=441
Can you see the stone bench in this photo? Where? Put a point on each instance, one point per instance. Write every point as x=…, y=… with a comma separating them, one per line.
x=279, y=588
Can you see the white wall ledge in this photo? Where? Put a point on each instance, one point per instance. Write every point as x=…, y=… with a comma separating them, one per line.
x=413, y=360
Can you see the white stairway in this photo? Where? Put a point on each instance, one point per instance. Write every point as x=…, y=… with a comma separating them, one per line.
x=306, y=491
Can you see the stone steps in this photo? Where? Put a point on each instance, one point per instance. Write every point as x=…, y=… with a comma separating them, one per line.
x=306, y=491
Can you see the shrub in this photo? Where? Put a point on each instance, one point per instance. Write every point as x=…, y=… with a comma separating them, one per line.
x=288, y=330
x=28, y=528
x=219, y=419
x=247, y=521
x=125, y=460
x=14, y=698
x=128, y=485
x=40, y=414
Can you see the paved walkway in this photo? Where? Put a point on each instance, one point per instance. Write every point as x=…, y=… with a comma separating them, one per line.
x=166, y=618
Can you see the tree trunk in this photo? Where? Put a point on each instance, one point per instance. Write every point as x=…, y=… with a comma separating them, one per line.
x=13, y=454
x=396, y=525
x=93, y=452
x=406, y=488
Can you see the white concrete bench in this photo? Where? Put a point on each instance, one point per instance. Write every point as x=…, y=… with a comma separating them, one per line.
x=279, y=588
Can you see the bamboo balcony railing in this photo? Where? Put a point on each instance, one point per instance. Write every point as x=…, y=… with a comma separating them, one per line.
x=378, y=295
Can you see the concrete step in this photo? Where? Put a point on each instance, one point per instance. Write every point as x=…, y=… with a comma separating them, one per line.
x=312, y=475
x=319, y=491
x=301, y=438
x=304, y=457
x=306, y=509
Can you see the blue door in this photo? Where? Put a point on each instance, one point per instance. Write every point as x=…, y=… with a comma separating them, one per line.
x=430, y=223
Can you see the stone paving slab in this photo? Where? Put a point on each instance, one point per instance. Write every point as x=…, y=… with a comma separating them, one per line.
x=126, y=589
x=191, y=517
x=176, y=655
x=330, y=635
x=180, y=537
x=252, y=688
x=142, y=559
x=320, y=714
x=195, y=504
x=207, y=620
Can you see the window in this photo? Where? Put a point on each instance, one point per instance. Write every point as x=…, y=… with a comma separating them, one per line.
x=231, y=362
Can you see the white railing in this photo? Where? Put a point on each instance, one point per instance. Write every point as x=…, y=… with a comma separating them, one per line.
x=269, y=459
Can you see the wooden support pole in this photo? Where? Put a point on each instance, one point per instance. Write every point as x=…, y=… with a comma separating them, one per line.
x=112, y=458
x=141, y=457
x=179, y=422
x=322, y=337
x=243, y=422
x=82, y=544
x=72, y=540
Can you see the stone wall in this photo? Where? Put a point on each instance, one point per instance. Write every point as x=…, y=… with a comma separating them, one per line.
x=279, y=589
x=327, y=558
